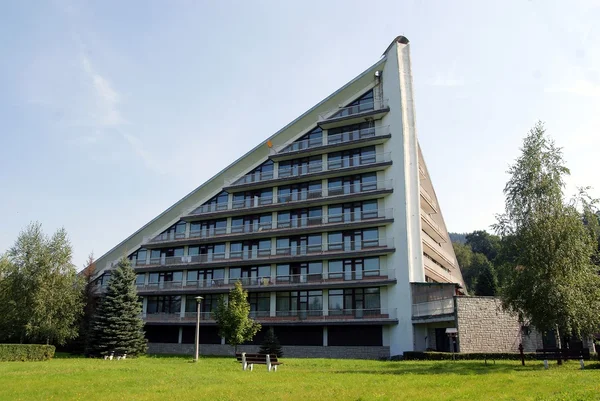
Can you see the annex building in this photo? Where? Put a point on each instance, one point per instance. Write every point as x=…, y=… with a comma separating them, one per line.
x=332, y=225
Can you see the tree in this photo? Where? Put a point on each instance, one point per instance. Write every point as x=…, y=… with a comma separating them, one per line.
x=548, y=277
x=78, y=345
x=483, y=242
x=271, y=345
x=233, y=317
x=486, y=284
x=41, y=289
x=117, y=325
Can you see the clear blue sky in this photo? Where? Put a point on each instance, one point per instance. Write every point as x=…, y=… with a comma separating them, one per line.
x=111, y=111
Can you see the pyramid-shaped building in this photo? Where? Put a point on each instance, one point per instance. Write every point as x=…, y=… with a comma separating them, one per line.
x=332, y=225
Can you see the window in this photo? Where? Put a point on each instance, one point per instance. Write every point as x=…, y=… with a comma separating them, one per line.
x=205, y=278
x=208, y=228
x=260, y=304
x=250, y=249
x=162, y=280
x=353, y=269
x=363, y=103
x=349, y=212
x=166, y=255
x=252, y=198
x=358, y=302
x=248, y=224
x=163, y=304
x=251, y=275
x=299, y=272
x=351, y=158
x=350, y=133
x=299, y=245
x=138, y=258
x=302, y=304
x=205, y=253
x=352, y=184
x=260, y=173
x=353, y=239
x=299, y=217
x=299, y=192
x=312, y=139
x=296, y=167
x=217, y=202
x=140, y=279
x=176, y=231
x=209, y=304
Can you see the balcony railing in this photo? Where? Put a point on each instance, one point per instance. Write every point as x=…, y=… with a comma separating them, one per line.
x=371, y=132
x=334, y=314
x=274, y=280
x=314, y=167
x=286, y=315
x=301, y=196
x=433, y=308
x=354, y=110
x=273, y=253
x=292, y=223
x=211, y=208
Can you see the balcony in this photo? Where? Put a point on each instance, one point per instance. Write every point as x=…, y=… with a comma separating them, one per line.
x=427, y=202
x=354, y=114
x=278, y=282
x=433, y=301
x=275, y=255
x=306, y=172
x=342, y=141
x=435, y=249
x=436, y=270
x=280, y=227
x=331, y=316
x=358, y=191
x=433, y=308
x=432, y=228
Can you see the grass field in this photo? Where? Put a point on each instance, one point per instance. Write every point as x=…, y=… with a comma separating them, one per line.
x=177, y=378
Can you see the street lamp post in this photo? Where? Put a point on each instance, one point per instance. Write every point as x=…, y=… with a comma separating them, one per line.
x=199, y=302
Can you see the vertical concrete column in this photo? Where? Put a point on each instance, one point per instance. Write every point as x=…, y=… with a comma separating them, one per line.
x=187, y=230
x=226, y=275
x=324, y=161
x=180, y=334
x=144, y=306
x=274, y=220
x=182, y=310
x=325, y=302
x=228, y=228
x=273, y=305
x=325, y=137
x=229, y=201
x=273, y=246
x=325, y=336
x=273, y=273
x=325, y=269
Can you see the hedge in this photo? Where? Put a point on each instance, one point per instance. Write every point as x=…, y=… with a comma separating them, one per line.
x=442, y=356
x=26, y=352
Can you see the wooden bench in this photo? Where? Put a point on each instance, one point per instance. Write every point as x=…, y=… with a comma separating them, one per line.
x=546, y=354
x=248, y=360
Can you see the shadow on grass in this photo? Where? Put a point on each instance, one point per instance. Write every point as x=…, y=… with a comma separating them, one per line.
x=469, y=368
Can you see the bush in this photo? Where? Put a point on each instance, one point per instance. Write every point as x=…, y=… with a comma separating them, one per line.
x=444, y=356
x=26, y=352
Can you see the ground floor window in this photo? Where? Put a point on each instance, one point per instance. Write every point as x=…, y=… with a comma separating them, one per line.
x=370, y=335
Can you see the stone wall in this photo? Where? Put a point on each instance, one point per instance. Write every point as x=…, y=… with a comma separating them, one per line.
x=483, y=326
x=292, y=351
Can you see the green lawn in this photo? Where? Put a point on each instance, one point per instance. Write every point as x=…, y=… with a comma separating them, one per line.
x=177, y=378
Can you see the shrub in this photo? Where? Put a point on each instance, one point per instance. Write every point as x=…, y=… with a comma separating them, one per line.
x=443, y=356
x=26, y=352
x=271, y=344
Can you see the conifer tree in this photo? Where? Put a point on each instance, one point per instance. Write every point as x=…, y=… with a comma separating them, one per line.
x=117, y=325
x=271, y=345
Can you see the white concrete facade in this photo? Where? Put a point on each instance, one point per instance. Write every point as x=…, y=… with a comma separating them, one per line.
x=413, y=244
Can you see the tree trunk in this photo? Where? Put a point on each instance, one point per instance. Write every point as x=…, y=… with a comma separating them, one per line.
x=558, y=345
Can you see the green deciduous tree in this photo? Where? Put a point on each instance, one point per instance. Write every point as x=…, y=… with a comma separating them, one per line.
x=270, y=344
x=40, y=289
x=233, y=317
x=117, y=325
x=483, y=242
x=547, y=276
x=487, y=283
